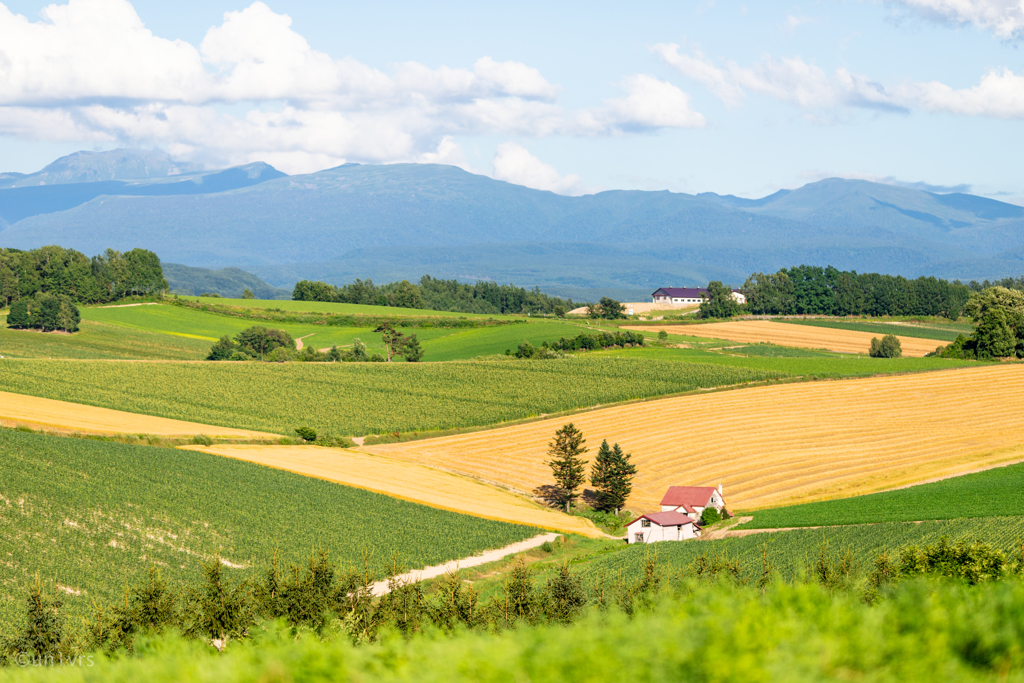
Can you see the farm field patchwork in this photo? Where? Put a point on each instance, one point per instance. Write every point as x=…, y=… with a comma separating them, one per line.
x=801, y=363
x=209, y=327
x=994, y=492
x=463, y=344
x=945, y=331
x=93, y=516
x=35, y=412
x=408, y=481
x=773, y=445
x=345, y=399
x=785, y=334
x=96, y=340
x=347, y=309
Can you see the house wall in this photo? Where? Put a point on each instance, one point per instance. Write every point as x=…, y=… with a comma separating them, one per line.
x=655, y=533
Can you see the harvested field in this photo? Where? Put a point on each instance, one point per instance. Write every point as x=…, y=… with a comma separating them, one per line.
x=784, y=334
x=30, y=411
x=774, y=445
x=408, y=481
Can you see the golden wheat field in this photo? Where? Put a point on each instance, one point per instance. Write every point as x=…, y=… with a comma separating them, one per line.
x=773, y=445
x=61, y=416
x=784, y=334
x=406, y=480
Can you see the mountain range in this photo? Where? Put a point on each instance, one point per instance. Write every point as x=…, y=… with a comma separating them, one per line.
x=404, y=220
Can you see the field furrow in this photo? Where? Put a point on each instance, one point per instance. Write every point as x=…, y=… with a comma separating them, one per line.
x=774, y=445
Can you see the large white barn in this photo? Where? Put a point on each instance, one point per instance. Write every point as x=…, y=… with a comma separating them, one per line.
x=688, y=295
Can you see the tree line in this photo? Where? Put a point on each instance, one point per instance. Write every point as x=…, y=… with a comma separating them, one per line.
x=813, y=290
x=438, y=295
x=67, y=273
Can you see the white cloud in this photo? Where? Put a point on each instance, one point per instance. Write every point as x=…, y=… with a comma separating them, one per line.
x=999, y=93
x=649, y=104
x=513, y=163
x=795, y=21
x=1004, y=18
x=91, y=71
x=701, y=69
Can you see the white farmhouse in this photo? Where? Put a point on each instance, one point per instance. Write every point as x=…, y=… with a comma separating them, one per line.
x=681, y=509
x=661, y=526
x=688, y=295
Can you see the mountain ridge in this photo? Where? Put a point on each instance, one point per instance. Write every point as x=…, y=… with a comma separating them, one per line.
x=404, y=220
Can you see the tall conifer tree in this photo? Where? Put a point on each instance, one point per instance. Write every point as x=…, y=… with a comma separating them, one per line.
x=566, y=463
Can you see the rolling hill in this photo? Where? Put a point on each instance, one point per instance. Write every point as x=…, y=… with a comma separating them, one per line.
x=404, y=220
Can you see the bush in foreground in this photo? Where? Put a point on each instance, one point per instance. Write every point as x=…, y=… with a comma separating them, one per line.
x=887, y=347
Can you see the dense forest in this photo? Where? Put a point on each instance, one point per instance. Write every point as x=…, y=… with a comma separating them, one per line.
x=436, y=295
x=828, y=291
x=72, y=275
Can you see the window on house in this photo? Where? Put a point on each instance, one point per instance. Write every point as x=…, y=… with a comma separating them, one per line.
x=638, y=537
x=645, y=523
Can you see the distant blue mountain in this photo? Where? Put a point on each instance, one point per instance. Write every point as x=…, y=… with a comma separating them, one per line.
x=405, y=220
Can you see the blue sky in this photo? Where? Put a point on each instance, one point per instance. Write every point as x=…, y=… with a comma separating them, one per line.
x=731, y=97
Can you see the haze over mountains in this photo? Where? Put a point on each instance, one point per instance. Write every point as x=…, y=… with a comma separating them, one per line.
x=405, y=220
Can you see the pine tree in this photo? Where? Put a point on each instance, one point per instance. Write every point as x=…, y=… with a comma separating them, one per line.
x=619, y=483
x=601, y=474
x=566, y=464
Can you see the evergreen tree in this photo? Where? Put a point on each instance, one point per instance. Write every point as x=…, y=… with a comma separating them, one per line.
x=566, y=464
x=564, y=597
x=411, y=350
x=612, y=475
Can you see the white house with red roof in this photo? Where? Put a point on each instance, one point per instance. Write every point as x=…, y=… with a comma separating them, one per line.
x=681, y=510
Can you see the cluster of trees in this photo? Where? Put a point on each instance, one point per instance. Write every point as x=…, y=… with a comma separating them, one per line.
x=719, y=302
x=999, y=313
x=65, y=272
x=887, y=347
x=44, y=311
x=828, y=291
x=277, y=346
x=437, y=295
x=582, y=341
x=607, y=308
x=611, y=473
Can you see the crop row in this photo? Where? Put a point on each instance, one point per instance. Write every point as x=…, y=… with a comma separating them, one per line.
x=92, y=516
x=361, y=398
x=790, y=551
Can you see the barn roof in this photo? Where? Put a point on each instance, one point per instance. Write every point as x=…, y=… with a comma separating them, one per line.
x=671, y=518
x=682, y=292
x=689, y=496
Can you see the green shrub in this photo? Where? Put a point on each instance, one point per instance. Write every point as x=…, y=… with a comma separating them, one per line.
x=887, y=347
x=710, y=516
x=306, y=433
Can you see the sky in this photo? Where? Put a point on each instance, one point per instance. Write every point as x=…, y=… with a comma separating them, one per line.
x=573, y=97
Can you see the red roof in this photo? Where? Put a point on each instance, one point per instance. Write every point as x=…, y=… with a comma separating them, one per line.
x=689, y=496
x=670, y=518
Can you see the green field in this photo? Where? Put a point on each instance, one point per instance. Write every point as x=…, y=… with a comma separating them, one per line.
x=93, y=515
x=462, y=344
x=765, y=350
x=825, y=365
x=100, y=340
x=940, y=331
x=361, y=398
x=790, y=551
x=995, y=492
x=347, y=309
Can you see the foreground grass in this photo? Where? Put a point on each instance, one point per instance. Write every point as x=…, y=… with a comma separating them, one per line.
x=92, y=516
x=995, y=492
x=362, y=398
x=924, y=631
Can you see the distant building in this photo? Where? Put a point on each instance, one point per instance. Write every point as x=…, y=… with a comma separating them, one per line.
x=681, y=509
x=688, y=295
